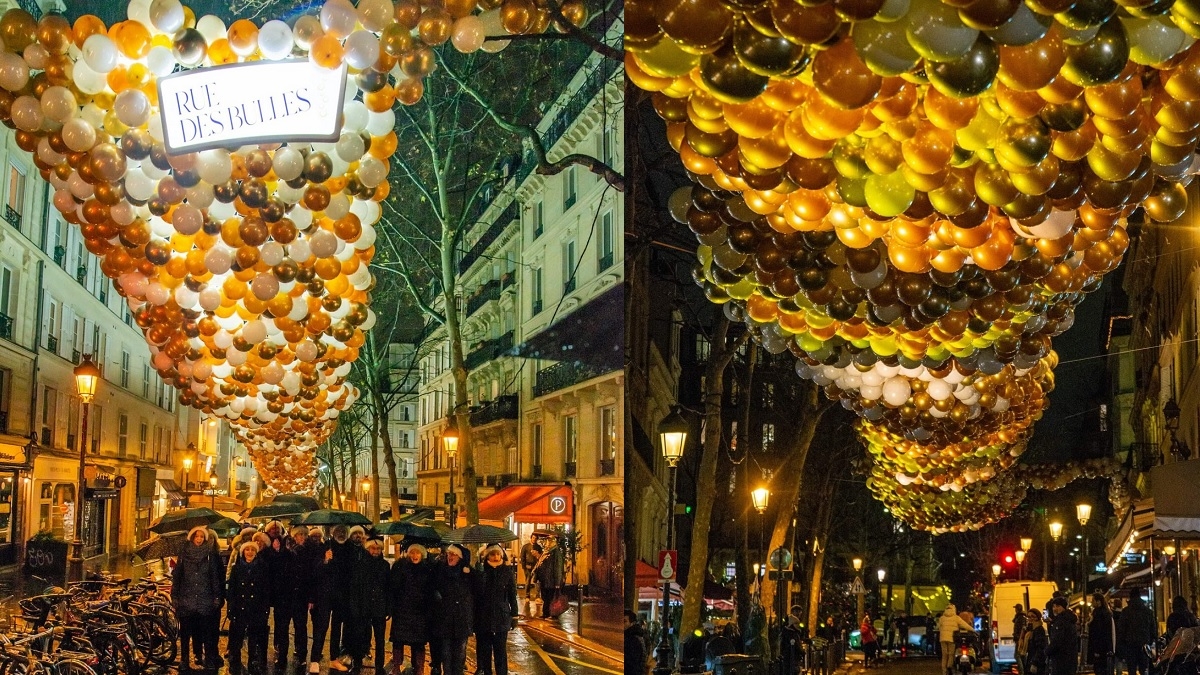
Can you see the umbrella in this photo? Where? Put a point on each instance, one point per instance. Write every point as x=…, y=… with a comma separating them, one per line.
x=332, y=517
x=226, y=525
x=185, y=519
x=309, y=503
x=159, y=547
x=275, y=510
x=479, y=534
x=410, y=530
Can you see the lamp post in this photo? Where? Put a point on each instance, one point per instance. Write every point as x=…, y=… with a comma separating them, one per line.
x=759, y=497
x=87, y=377
x=1021, y=563
x=366, y=492
x=1083, y=512
x=672, y=433
x=1026, y=544
x=450, y=442
x=212, y=484
x=1056, y=529
x=858, y=584
x=187, y=467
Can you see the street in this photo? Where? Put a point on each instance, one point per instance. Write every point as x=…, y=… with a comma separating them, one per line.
x=897, y=666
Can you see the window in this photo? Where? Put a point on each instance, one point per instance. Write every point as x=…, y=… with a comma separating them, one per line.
x=53, y=317
x=143, y=440
x=703, y=347
x=768, y=396
x=124, y=369
x=96, y=424
x=608, y=437
x=536, y=291
x=607, y=144
x=424, y=454
x=76, y=338
x=122, y=434
x=146, y=380
x=535, y=446
x=569, y=267
x=8, y=291
x=768, y=437
x=607, y=243
x=570, y=439
x=570, y=194
x=58, y=242
x=56, y=500
x=538, y=222
x=405, y=413
x=16, y=194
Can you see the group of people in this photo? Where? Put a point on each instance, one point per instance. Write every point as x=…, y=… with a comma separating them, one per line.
x=1118, y=639
x=345, y=588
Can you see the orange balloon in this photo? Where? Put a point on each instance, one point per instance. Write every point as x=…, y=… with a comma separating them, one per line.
x=840, y=75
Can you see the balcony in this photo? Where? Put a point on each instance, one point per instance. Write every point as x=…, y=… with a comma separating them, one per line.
x=608, y=467
x=570, y=469
x=513, y=212
x=483, y=295
x=606, y=261
x=104, y=294
x=4, y=421
x=562, y=375
x=52, y=343
x=569, y=287
x=535, y=471
x=60, y=255
x=6, y=327
x=503, y=408
x=47, y=439
x=81, y=274
x=537, y=306
x=12, y=216
x=487, y=350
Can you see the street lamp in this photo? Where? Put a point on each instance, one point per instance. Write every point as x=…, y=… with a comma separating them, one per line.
x=1171, y=413
x=1026, y=543
x=1083, y=512
x=1056, y=530
x=672, y=435
x=996, y=569
x=212, y=483
x=187, y=467
x=450, y=442
x=87, y=378
x=759, y=497
x=881, y=573
x=857, y=562
x=366, y=489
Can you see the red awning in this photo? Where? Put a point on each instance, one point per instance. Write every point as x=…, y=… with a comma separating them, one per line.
x=529, y=504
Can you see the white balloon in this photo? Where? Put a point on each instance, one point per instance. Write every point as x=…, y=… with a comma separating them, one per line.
x=338, y=17
x=167, y=16
x=212, y=28
x=132, y=107
x=380, y=124
x=361, y=49
x=323, y=243
x=467, y=34
x=288, y=163
x=160, y=61
x=100, y=53
x=275, y=39
x=215, y=166
x=896, y=391
x=14, y=72
x=339, y=206
x=493, y=26
x=355, y=114
x=350, y=147
x=87, y=80
x=272, y=253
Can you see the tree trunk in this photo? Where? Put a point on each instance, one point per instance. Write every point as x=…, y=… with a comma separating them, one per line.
x=389, y=460
x=820, y=541
x=787, y=490
x=371, y=500
x=466, y=463
x=706, y=478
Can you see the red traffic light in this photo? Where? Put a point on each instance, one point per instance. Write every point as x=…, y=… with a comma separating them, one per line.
x=1008, y=559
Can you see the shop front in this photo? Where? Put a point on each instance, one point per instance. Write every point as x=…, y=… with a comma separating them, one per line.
x=53, y=499
x=14, y=468
x=525, y=508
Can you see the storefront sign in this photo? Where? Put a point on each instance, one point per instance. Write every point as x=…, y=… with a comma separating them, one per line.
x=46, y=558
x=557, y=504
x=13, y=454
x=246, y=103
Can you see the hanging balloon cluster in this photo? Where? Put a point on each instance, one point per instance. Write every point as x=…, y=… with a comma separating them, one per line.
x=246, y=268
x=912, y=196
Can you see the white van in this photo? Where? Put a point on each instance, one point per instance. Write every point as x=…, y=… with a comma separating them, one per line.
x=1005, y=596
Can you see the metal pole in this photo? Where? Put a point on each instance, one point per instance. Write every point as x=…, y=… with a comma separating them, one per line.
x=663, y=653
x=451, y=511
x=76, y=571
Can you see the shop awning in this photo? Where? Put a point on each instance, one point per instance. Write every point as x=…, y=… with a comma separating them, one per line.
x=1138, y=520
x=548, y=504
x=174, y=492
x=1176, y=510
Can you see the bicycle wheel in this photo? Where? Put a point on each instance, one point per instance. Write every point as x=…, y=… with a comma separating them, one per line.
x=154, y=642
x=72, y=667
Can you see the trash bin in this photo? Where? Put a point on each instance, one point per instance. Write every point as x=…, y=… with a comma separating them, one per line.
x=738, y=664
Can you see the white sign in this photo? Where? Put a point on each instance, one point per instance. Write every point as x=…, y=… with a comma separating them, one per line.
x=558, y=505
x=856, y=587
x=246, y=103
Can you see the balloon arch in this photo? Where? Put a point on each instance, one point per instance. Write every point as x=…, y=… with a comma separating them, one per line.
x=246, y=266
x=912, y=196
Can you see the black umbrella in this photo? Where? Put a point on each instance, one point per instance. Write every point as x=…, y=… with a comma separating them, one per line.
x=185, y=519
x=409, y=530
x=275, y=510
x=226, y=526
x=159, y=547
x=479, y=534
x=332, y=517
x=309, y=503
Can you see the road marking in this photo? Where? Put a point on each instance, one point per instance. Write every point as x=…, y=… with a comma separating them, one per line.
x=586, y=664
x=544, y=656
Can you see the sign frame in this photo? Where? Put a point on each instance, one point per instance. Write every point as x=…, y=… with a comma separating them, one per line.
x=252, y=140
x=662, y=561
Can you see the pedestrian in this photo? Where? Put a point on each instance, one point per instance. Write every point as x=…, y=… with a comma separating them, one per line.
x=324, y=580
x=341, y=556
x=870, y=642
x=210, y=656
x=453, y=608
x=1062, y=651
x=1035, y=643
x=950, y=623
x=902, y=632
x=196, y=592
x=495, y=612
x=1018, y=630
x=410, y=593
x=284, y=572
x=1136, y=628
x=1102, y=636
x=550, y=576
x=1180, y=617
x=369, y=605
x=635, y=644
x=721, y=643
x=249, y=605
x=530, y=553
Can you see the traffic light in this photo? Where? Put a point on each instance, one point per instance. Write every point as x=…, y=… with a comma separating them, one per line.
x=1008, y=559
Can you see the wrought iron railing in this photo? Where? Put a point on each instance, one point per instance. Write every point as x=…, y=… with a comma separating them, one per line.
x=60, y=255
x=483, y=295
x=537, y=306
x=488, y=350
x=569, y=287
x=608, y=467
x=503, y=408
x=6, y=326
x=47, y=437
x=561, y=375
x=52, y=343
x=570, y=469
x=12, y=216
x=81, y=274
x=606, y=262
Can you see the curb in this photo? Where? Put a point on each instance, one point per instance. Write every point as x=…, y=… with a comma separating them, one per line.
x=546, y=628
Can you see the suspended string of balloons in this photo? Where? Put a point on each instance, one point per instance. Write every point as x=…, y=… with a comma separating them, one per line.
x=912, y=196
x=246, y=268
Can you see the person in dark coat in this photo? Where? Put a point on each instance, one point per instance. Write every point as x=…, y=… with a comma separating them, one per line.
x=1062, y=651
x=317, y=558
x=453, y=608
x=196, y=592
x=368, y=605
x=249, y=605
x=340, y=562
x=530, y=553
x=1136, y=628
x=1035, y=647
x=550, y=575
x=410, y=593
x=495, y=612
x=288, y=596
x=635, y=644
x=1102, y=636
x=1181, y=616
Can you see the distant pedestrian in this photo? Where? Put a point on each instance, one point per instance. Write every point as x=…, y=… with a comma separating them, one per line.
x=341, y=556
x=453, y=609
x=1136, y=628
x=368, y=605
x=410, y=594
x=1062, y=652
x=495, y=612
x=870, y=642
x=550, y=576
x=1018, y=623
x=950, y=623
x=1181, y=616
x=1035, y=644
x=635, y=645
x=1102, y=636
x=249, y=606
x=530, y=553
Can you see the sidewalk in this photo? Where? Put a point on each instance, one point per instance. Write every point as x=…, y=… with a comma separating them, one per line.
x=603, y=630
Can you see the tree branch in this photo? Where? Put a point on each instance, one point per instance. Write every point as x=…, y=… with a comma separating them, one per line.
x=569, y=31
x=590, y=163
x=406, y=276
x=531, y=137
